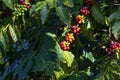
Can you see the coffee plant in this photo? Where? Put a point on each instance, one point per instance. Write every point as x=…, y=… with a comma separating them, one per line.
x=59, y=39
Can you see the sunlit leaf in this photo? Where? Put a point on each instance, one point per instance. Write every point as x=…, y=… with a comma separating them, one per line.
x=13, y=33
x=59, y=53
x=38, y=6
x=4, y=40
x=60, y=73
x=69, y=57
x=68, y=3
x=51, y=3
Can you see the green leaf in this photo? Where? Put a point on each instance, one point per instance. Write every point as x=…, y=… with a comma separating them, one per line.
x=115, y=15
x=57, y=49
x=68, y=3
x=38, y=62
x=51, y=3
x=13, y=33
x=89, y=56
x=44, y=13
x=5, y=73
x=116, y=29
x=59, y=53
x=99, y=17
x=38, y=6
x=9, y=3
x=64, y=15
x=59, y=73
x=24, y=68
x=4, y=40
x=78, y=1
x=1, y=58
x=101, y=78
x=51, y=35
x=69, y=57
x=43, y=65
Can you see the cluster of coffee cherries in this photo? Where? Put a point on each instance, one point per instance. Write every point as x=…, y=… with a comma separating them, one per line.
x=75, y=29
x=85, y=11
x=114, y=47
x=69, y=37
x=26, y=3
x=19, y=10
x=87, y=8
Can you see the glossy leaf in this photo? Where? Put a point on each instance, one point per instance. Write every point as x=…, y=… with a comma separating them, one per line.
x=44, y=13
x=38, y=6
x=4, y=40
x=115, y=15
x=51, y=3
x=68, y=3
x=59, y=53
x=57, y=50
x=69, y=57
x=99, y=17
x=9, y=3
x=89, y=56
x=13, y=33
x=64, y=15
x=116, y=29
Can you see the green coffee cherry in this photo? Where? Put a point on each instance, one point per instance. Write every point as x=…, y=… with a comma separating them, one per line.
x=19, y=10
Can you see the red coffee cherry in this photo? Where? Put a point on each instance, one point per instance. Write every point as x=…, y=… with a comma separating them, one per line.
x=89, y=2
x=65, y=45
x=75, y=29
x=27, y=6
x=114, y=46
x=85, y=11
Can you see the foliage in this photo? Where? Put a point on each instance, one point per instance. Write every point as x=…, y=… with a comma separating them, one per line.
x=59, y=40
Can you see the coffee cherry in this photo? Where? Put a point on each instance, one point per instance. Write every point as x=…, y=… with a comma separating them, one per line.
x=19, y=10
x=27, y=6
x=69, y=37
x=85, y=11
x=89, y=2
x=25, y=3
x=114, y=46
x=75, y=29
x=80, y=19
x=65, y=45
